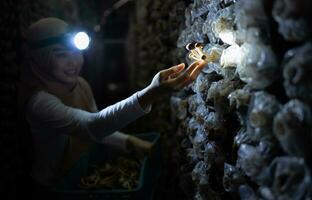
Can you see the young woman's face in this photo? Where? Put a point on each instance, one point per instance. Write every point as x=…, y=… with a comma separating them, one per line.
x=66, y=64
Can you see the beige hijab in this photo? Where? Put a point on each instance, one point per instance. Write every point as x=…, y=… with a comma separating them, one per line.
x=35, y=77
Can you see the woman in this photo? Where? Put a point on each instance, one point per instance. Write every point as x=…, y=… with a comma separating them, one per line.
x=61, y=111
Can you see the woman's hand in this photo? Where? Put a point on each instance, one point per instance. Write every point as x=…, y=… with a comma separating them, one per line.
x=175, y=78
x=168, y=81
x=139, y=147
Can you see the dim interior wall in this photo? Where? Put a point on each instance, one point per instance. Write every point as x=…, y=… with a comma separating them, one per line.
x=151, y=47
x=239, y=133
x=106, y=67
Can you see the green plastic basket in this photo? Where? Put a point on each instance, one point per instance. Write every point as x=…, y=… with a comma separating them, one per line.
x=67, y=189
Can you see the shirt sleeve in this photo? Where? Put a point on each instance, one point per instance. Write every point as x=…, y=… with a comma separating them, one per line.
x=47, y=111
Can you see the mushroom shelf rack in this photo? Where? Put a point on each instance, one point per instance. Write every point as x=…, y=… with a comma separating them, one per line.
x=245, y=123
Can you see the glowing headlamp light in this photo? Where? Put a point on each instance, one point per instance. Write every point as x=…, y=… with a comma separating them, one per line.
x=81, y=40
x=75, y=40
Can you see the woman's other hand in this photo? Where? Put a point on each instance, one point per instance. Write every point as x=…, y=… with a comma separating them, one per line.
x=139, y=147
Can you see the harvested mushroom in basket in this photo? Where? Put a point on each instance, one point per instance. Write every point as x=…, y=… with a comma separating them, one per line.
x=117, y=173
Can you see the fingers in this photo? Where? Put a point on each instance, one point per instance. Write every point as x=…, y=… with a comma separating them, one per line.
x=172, y=70
x=147, y=150
x=141, y=147
x=197, y=70
x=195, y=73
x=174, y=75
x=190, y=73
x=150, y=150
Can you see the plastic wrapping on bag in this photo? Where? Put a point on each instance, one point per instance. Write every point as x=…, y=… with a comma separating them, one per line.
x=220, y=89
x=250, y=35
x=253, y=160
x=201, y=113
x=179, y=107
x=242, y=137
x=201, y=3
x=200, y=8
x=266, y=193
x=192, y=34
x=231, y=56
x=207, y=27
x=229, y=73
x=206, y=193
x=250, y=160
x=241, y=117
x=240, y=97
x=199, y=143
x=268, y=149
x=217, y=94
x=297, y=72
x=261, y=112
x=197, y=196
x=223, y=25
x=258, y=66
x=191, y=127
x=201, y=85
x=292, y=25
x=191, y=156
x=214, y=6
x=212, y=121
x=210, y=153
x=186, y=143
x=193, y=102
x=293, y=129
x=215, y=65
x=290, y=178
x=247, y=193
x=250, y=14
x=232, y=178
x=200, y=173
x=188, y=16
x=185, y=38
x=229, y=2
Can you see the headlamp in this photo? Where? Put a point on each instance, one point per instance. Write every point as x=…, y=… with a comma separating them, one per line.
x=81, y=40
x=78, y=40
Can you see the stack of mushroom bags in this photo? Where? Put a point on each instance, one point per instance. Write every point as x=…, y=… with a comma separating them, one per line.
x=245, y=123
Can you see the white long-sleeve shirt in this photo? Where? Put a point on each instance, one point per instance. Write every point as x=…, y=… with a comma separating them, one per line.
x=52, y=122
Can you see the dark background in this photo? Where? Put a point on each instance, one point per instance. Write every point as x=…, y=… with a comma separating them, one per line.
x=123, y=58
